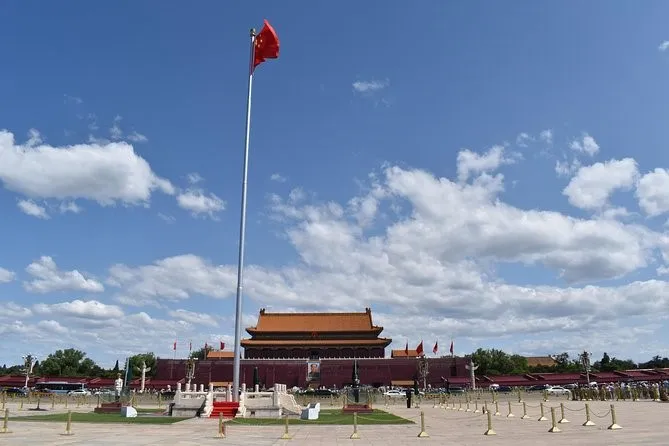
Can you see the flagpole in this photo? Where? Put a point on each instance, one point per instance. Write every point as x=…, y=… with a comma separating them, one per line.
x=242, y=232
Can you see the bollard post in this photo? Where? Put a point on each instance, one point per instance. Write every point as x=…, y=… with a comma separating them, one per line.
x=588, y=421
x=5, y=423
x=21, y=404
x=554, y=427
x=460, y=405
x=4, y=400
x=287, y=436
x=68, y=426
x=490, y=430
x=614, y=421
x=160, y=400
x=496, y=408
x=542, y=417
x=468, y=409
x=476, y=406
x=355, y=435
x=221, y=426
x=520, y=399
x=53, y=401
x=545, y=395
x=422, y=433
x=98, y=404
x=563, y=420
x=66, y=400
x=510, y=415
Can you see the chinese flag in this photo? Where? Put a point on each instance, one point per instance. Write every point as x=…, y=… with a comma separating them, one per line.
x=451, y=349
x=419, y=349
x=222, y=345
x=435, y=349
x=406, y=349
x=266, y=45
x=174, y=347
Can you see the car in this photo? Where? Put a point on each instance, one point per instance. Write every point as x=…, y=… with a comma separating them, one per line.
x=395, y=393
x=79, y=392
x=15, y=391
x=456, y=389
x=537, y=388
x=557, y=390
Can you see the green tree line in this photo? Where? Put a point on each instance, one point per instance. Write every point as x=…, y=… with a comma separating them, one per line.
x=497, y=362
x=75, y=363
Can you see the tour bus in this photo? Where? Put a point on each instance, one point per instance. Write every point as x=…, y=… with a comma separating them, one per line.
x=60, y=387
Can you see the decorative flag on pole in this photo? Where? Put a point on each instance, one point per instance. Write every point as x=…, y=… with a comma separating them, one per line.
x=263, y=46
x=222, y=345
x=406, y=349
x=451, y=349
x=174, y=347
x=435, y=349
x=419, y=349
x=266, y=45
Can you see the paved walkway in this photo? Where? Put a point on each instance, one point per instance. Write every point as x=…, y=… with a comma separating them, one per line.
x=642, y=422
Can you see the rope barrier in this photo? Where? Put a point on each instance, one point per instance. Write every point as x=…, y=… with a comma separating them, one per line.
x=355, y=435
x=542, y=417
x=588, y=421
x=490, y=430
x=68, y=425
x=563, y=420
x=5, y=423
x=554, y=428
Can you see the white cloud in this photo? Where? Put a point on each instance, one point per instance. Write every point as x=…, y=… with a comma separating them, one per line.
x=194, y=318
x=115, y=131
x=72, y=99
x=106, y=173
x=48, y=278
x=6, y=275
x=137, y=137
x=470, y=162
x=166, y=218
x=69, y=206
x=523, y=139
x=546, y=136
x=29, y=207
x=52, y=327
x=34, y=138
x=198, y=203
x=370, y=86
x=278, y=178
x=91, y=309
x=593, y=185
x=565, y=169
x=194, y=178
x=653, y=192
x=586, y=144
x=11, y=310
x=664, y=46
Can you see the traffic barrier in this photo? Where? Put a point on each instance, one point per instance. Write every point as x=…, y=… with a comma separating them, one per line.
x=355, y=435
x=554, y=428
x=422, y=433
x=68, y=425
x=5, y=423
x=286, y=435
x=490, y=430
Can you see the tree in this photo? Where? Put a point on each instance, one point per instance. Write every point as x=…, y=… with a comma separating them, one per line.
x=497, y=362
x=136, y=364
x=70, y=362
x=115, y=369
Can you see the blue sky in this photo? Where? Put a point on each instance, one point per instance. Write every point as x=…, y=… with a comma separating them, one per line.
x=494, y=173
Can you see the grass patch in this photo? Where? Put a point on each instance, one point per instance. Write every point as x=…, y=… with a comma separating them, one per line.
x=91, y=417
x=331, y=417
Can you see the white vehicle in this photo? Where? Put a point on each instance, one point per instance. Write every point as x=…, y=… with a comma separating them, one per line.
x=557, y=390
x=79, y=392
x=395, y=393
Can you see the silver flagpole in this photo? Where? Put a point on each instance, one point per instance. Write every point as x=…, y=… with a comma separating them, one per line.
x=242, y=232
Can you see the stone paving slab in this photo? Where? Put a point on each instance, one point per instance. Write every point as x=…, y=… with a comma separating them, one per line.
x=642, y=422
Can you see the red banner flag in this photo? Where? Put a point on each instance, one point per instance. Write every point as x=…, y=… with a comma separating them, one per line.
x=451, y=349
x=406, y=349
x=174, y=347
x=222, y=345
x=435, y=349
x=266, y=45
x=419, y=349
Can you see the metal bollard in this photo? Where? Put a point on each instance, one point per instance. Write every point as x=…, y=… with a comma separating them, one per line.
x=614, y=421
x=68, y=426
x=355, y=435
x=490, y=430
x=5, y=423
x=468, y=409
x=510, y=415
x=476, y=406
x=563, y=420
x=554, y=427
x=221, y=426
x=525, y=415
x=287, y=436
x=542, y=417
x=496, y=408
x=422, y=433
x=588, y=421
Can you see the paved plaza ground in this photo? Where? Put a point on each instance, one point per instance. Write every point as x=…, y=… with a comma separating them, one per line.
x=642, y=422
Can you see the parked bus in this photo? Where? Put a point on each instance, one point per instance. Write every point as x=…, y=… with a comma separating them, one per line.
x=59, y=387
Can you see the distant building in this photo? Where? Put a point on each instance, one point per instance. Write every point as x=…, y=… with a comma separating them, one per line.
x=543, y=361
